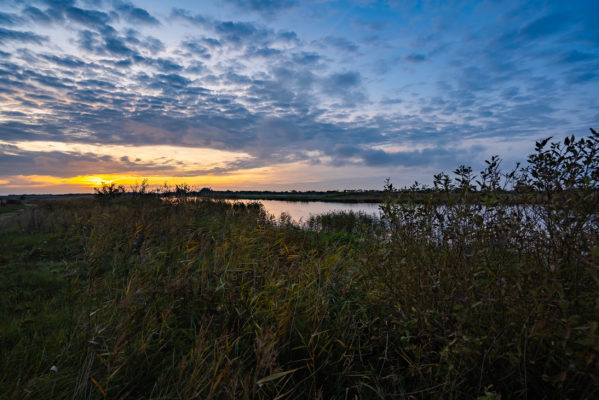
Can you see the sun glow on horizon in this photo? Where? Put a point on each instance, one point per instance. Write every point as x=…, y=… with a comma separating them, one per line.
x=286, y=176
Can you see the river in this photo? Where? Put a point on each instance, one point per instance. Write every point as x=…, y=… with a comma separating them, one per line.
x=300, y=211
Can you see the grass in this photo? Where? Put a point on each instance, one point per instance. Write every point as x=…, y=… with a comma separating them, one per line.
x=136, y=297
x=12, y=209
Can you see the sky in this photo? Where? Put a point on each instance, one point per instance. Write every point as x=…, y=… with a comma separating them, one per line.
x=288, y=94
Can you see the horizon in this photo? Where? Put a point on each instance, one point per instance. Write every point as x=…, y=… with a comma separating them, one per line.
x=285, y=95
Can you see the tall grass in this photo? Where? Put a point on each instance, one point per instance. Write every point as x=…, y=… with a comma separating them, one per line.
x=137, y=297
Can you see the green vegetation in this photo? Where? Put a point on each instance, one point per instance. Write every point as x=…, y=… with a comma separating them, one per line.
x=11, y=205
x=137, y=297
x=347, y=196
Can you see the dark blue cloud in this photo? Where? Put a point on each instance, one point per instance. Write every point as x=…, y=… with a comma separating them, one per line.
x=64, y=61
x=169, y=81
x=196, y=47
x=198, y=19
x=415, y=58
x=9, y=19
x=59, y=4
x=376, y=26
x=437, y=157
x=306, y=58
x=265, y=52
x=36, y=15
x=238, y=32
x=341, y=43
x=87, y=17
x=97, y=83
x=166, y=65
x=391, y=101
x=134, y=38
x=15, y=161
x=211, y=42
x=582, y=74
x=51, y=81
x=7, y=35
x=88, y=40
x=544, y=26
x=235, y=33
x=117, y=46
x=345, y=86
x=288, y=36
x=264, y=7
x=152, y=44
x=135, y=15
x=576, y=56
x=343, y=81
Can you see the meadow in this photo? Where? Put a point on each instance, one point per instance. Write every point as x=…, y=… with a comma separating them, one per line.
x=137, y=297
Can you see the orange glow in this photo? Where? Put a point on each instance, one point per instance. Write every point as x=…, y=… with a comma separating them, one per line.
x=272, y=177
x=233, y=179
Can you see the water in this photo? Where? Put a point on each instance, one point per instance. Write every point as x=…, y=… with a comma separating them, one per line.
x=300, y=211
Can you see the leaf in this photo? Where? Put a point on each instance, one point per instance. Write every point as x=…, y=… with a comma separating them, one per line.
x=276, y=376
x=98, y=386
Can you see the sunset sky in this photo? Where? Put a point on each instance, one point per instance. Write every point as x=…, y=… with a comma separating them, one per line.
x=281, y=95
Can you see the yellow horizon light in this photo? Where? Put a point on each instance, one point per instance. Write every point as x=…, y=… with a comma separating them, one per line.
x=92, y=181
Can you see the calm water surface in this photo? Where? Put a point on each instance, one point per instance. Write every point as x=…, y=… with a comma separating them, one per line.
x=300, y=211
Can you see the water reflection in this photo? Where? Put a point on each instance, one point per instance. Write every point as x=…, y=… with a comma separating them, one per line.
x=300, y=211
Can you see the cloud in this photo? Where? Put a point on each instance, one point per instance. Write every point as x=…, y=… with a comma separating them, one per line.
x=116, y=46
x=15, y=161
x=169, y=81
x=59, y=4
x=582, y=74
x=238, y=32
x=20, y=36
x=375, y=26
x=89, y=41
x=266, y=8
x=342, y=81
x=198, y=19
x=9, y=19
x=345, y=86
x=135, y=15
x=391, y=101
x=306, y=58
x=235, y=33
x=544, y=26
x=87, y=17
x=64, y=61
x=575, y=56
x=415, y=58
x=108, y=42
x=152, y=44
x=196, y=47
x=341, y=44
x=265, y=52
x=36, y=15
x=166, y=65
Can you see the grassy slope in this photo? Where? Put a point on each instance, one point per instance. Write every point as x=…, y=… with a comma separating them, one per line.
x=144, y=299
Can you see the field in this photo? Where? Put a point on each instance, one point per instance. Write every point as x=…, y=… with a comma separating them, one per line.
x=138, y=297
